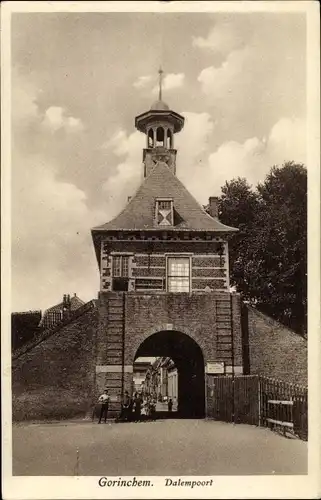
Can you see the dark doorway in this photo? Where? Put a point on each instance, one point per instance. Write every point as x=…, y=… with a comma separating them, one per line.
x=188, y=358
x=120, y=284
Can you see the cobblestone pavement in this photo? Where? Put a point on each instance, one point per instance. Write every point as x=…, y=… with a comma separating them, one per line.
x=164, y=447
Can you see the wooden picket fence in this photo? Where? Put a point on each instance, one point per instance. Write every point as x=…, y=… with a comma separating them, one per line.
x=284, y=405
x=262, y=401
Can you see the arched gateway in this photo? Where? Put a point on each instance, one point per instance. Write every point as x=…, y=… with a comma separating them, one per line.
x=164, y=261
x=189, y=361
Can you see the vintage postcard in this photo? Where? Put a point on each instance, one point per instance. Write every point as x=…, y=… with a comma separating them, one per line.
x=161, y=250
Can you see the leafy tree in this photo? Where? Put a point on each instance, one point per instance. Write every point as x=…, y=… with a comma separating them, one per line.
x=268, y=257
x=24, y=326
x=238, y=206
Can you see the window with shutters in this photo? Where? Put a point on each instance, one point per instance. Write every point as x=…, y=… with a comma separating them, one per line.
x=178, y=274
x=164, y=212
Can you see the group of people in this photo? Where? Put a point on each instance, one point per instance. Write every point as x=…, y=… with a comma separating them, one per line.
x=137, y=408
x=133, y=409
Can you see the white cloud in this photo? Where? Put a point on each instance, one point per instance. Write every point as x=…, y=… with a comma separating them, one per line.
x=23, y=99
x=171, y=81
x=246, y=91
x=118, y=143
x=202, y=170
x=193, y=141
x=288, y=140
x=74, y=123
x=253, y=79
x=251, y=159
x=142, y=82
x=128, y=174
x=56, y=118
x=229, y=77
x=51, y=244
x=224, y=37
x=25, y=107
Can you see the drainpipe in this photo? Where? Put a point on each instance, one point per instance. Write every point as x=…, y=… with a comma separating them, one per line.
x=123, y=354
x=233, y=371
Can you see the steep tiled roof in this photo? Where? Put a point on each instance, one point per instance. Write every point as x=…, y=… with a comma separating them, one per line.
x=139, y=213
x=75, y=303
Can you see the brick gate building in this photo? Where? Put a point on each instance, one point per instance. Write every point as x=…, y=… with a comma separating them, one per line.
x=164, y=291
x=164, y=278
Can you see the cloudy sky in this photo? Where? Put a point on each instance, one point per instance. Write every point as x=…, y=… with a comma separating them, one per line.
x=79, y=79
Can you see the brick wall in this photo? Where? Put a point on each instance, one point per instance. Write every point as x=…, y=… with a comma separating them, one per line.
x=148, y=313
x=274, y=350
x=56, y=378
x=148, y=260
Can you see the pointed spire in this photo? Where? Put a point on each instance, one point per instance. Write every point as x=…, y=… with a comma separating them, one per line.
x=160, y=71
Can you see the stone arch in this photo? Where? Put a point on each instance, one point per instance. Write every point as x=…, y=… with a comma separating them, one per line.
x=187, y=354
x=159, y=327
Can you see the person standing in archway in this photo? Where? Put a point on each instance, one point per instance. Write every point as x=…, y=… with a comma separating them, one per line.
x=104, y=400
x=137, y=407
x=126, y=406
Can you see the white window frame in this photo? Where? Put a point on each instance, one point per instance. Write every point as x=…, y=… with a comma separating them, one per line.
x=120, y=256
x=169, y=200
x=179, y=256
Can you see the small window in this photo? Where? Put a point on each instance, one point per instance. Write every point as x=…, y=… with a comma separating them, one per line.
x=120, y=266
x=164, y=212
x=178, y=274
x=120, y=273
